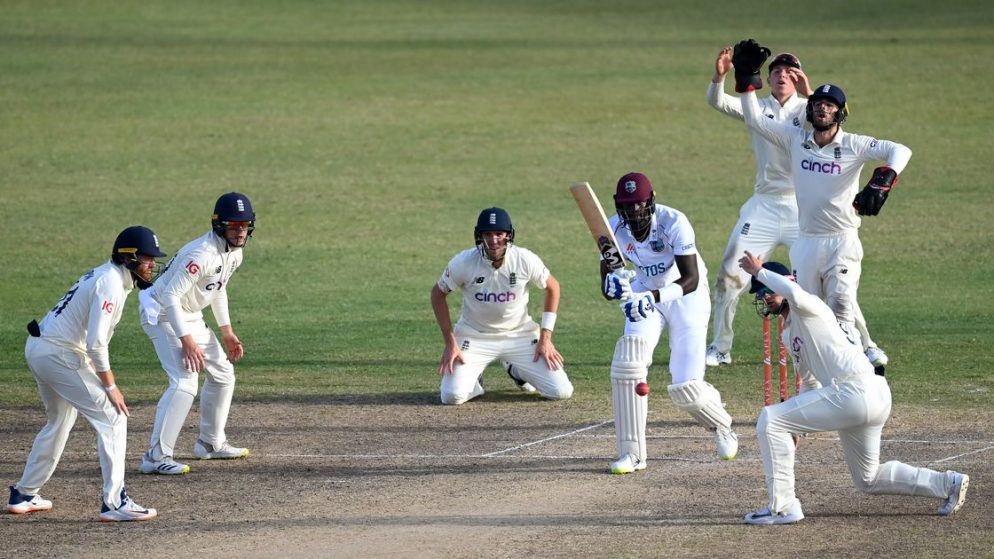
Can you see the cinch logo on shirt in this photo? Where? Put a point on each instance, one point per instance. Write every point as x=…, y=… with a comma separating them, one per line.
x=832, y=168
x=487, y=297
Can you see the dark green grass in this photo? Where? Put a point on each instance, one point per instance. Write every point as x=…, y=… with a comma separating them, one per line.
x=370, y=134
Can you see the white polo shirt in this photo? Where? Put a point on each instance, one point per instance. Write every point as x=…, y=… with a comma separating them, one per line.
x=826, y=179
x=670, y=235
x=494, y=300
x=86, y=316
x=773, y=176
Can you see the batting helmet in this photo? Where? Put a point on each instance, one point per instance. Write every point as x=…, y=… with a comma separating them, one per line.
x=635, y=189
x=129, y=244
x=233, y=206
x=493, y=219
x=784, y=59
x=832, y=93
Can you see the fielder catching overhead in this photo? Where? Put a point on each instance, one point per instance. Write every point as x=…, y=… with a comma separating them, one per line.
x=851, y=400
x=825, y=164
x=494, y=323
x=668, y=289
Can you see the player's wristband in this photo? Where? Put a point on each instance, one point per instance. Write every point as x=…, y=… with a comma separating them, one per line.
x=548, y=321
x=110, y=388
x=671, y=292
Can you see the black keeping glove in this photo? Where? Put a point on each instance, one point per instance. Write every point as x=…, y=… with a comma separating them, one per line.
x=748, y=57
x=874, y=194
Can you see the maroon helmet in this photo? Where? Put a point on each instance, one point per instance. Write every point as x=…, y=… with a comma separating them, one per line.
x=635, y=202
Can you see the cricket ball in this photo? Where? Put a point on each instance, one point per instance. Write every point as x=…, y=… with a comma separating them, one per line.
x=642, y=389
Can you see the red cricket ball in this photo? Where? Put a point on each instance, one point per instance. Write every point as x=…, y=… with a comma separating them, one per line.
x=642, y=389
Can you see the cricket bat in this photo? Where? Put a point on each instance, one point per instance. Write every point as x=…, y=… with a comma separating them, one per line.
x=593, y=214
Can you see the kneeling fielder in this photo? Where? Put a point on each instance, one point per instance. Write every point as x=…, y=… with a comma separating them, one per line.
x=851, y=400
x=494, y=323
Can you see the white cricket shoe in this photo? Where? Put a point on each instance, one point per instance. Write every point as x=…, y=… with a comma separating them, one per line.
x=764, y=516
x=713, y=358
x=166, y=466
x=129, y=511
x=522, y=385
x=225, y=451
x=627, y=464
x=876, y=356
x=957, y=494
x=20, y=503
x=727, y=442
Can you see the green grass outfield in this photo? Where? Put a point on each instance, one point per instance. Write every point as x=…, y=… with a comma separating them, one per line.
x=370, y=134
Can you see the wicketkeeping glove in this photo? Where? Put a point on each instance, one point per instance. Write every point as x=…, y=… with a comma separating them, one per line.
x=748, y=57
x=874, y=194
x=617, y=285
x=640, y=307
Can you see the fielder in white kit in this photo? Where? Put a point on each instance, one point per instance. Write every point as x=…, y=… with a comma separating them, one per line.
x=494, y=323
x=668, y=289
x=768, y=219
x=851, y=399
x=826, y=163
x=68, y=355
x=172, y=316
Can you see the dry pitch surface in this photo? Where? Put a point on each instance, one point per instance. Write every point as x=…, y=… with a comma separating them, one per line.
x=506, y=476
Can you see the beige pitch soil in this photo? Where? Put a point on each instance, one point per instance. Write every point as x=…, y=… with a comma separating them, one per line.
x=384, y=475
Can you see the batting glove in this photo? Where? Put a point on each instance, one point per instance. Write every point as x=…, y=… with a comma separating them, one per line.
x=640, y=307
x=617, y=285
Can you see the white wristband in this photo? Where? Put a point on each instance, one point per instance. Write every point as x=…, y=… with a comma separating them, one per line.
x=671, y=292
x=548, y=321
x=110, y=388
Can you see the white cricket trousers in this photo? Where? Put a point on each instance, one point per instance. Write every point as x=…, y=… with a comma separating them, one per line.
x=461, y=385
x=176, y=401
x=67, y=383
x=830, y=267
x=687, y=320
x=765, y=223
x=857, y=409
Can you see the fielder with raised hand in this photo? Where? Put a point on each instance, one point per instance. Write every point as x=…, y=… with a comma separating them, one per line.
x=825, y=164
x=851, y=400
x=172, y=316
x=669, y=289
x=68, y=355
x=494, y=323
x=768, y=219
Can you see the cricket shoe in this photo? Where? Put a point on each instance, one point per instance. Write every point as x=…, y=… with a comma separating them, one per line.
x=957, y=494
x=876, y=356
x=727, y=442
x=713, y=357
x=166, y=466
x=129, y=511
x=20, y=503
x=764, y=516
x=225, y=451
x=522, y=385
x=627, y=464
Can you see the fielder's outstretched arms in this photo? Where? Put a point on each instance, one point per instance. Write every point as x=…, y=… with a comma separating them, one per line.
x=68, y=355
x=172, y=316
x=494, y=324
x=851, y=400
x=825, y=163
x=669, y=289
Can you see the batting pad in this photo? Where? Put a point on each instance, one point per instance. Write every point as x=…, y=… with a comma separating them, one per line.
x=702, y=401
x=629, y=367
